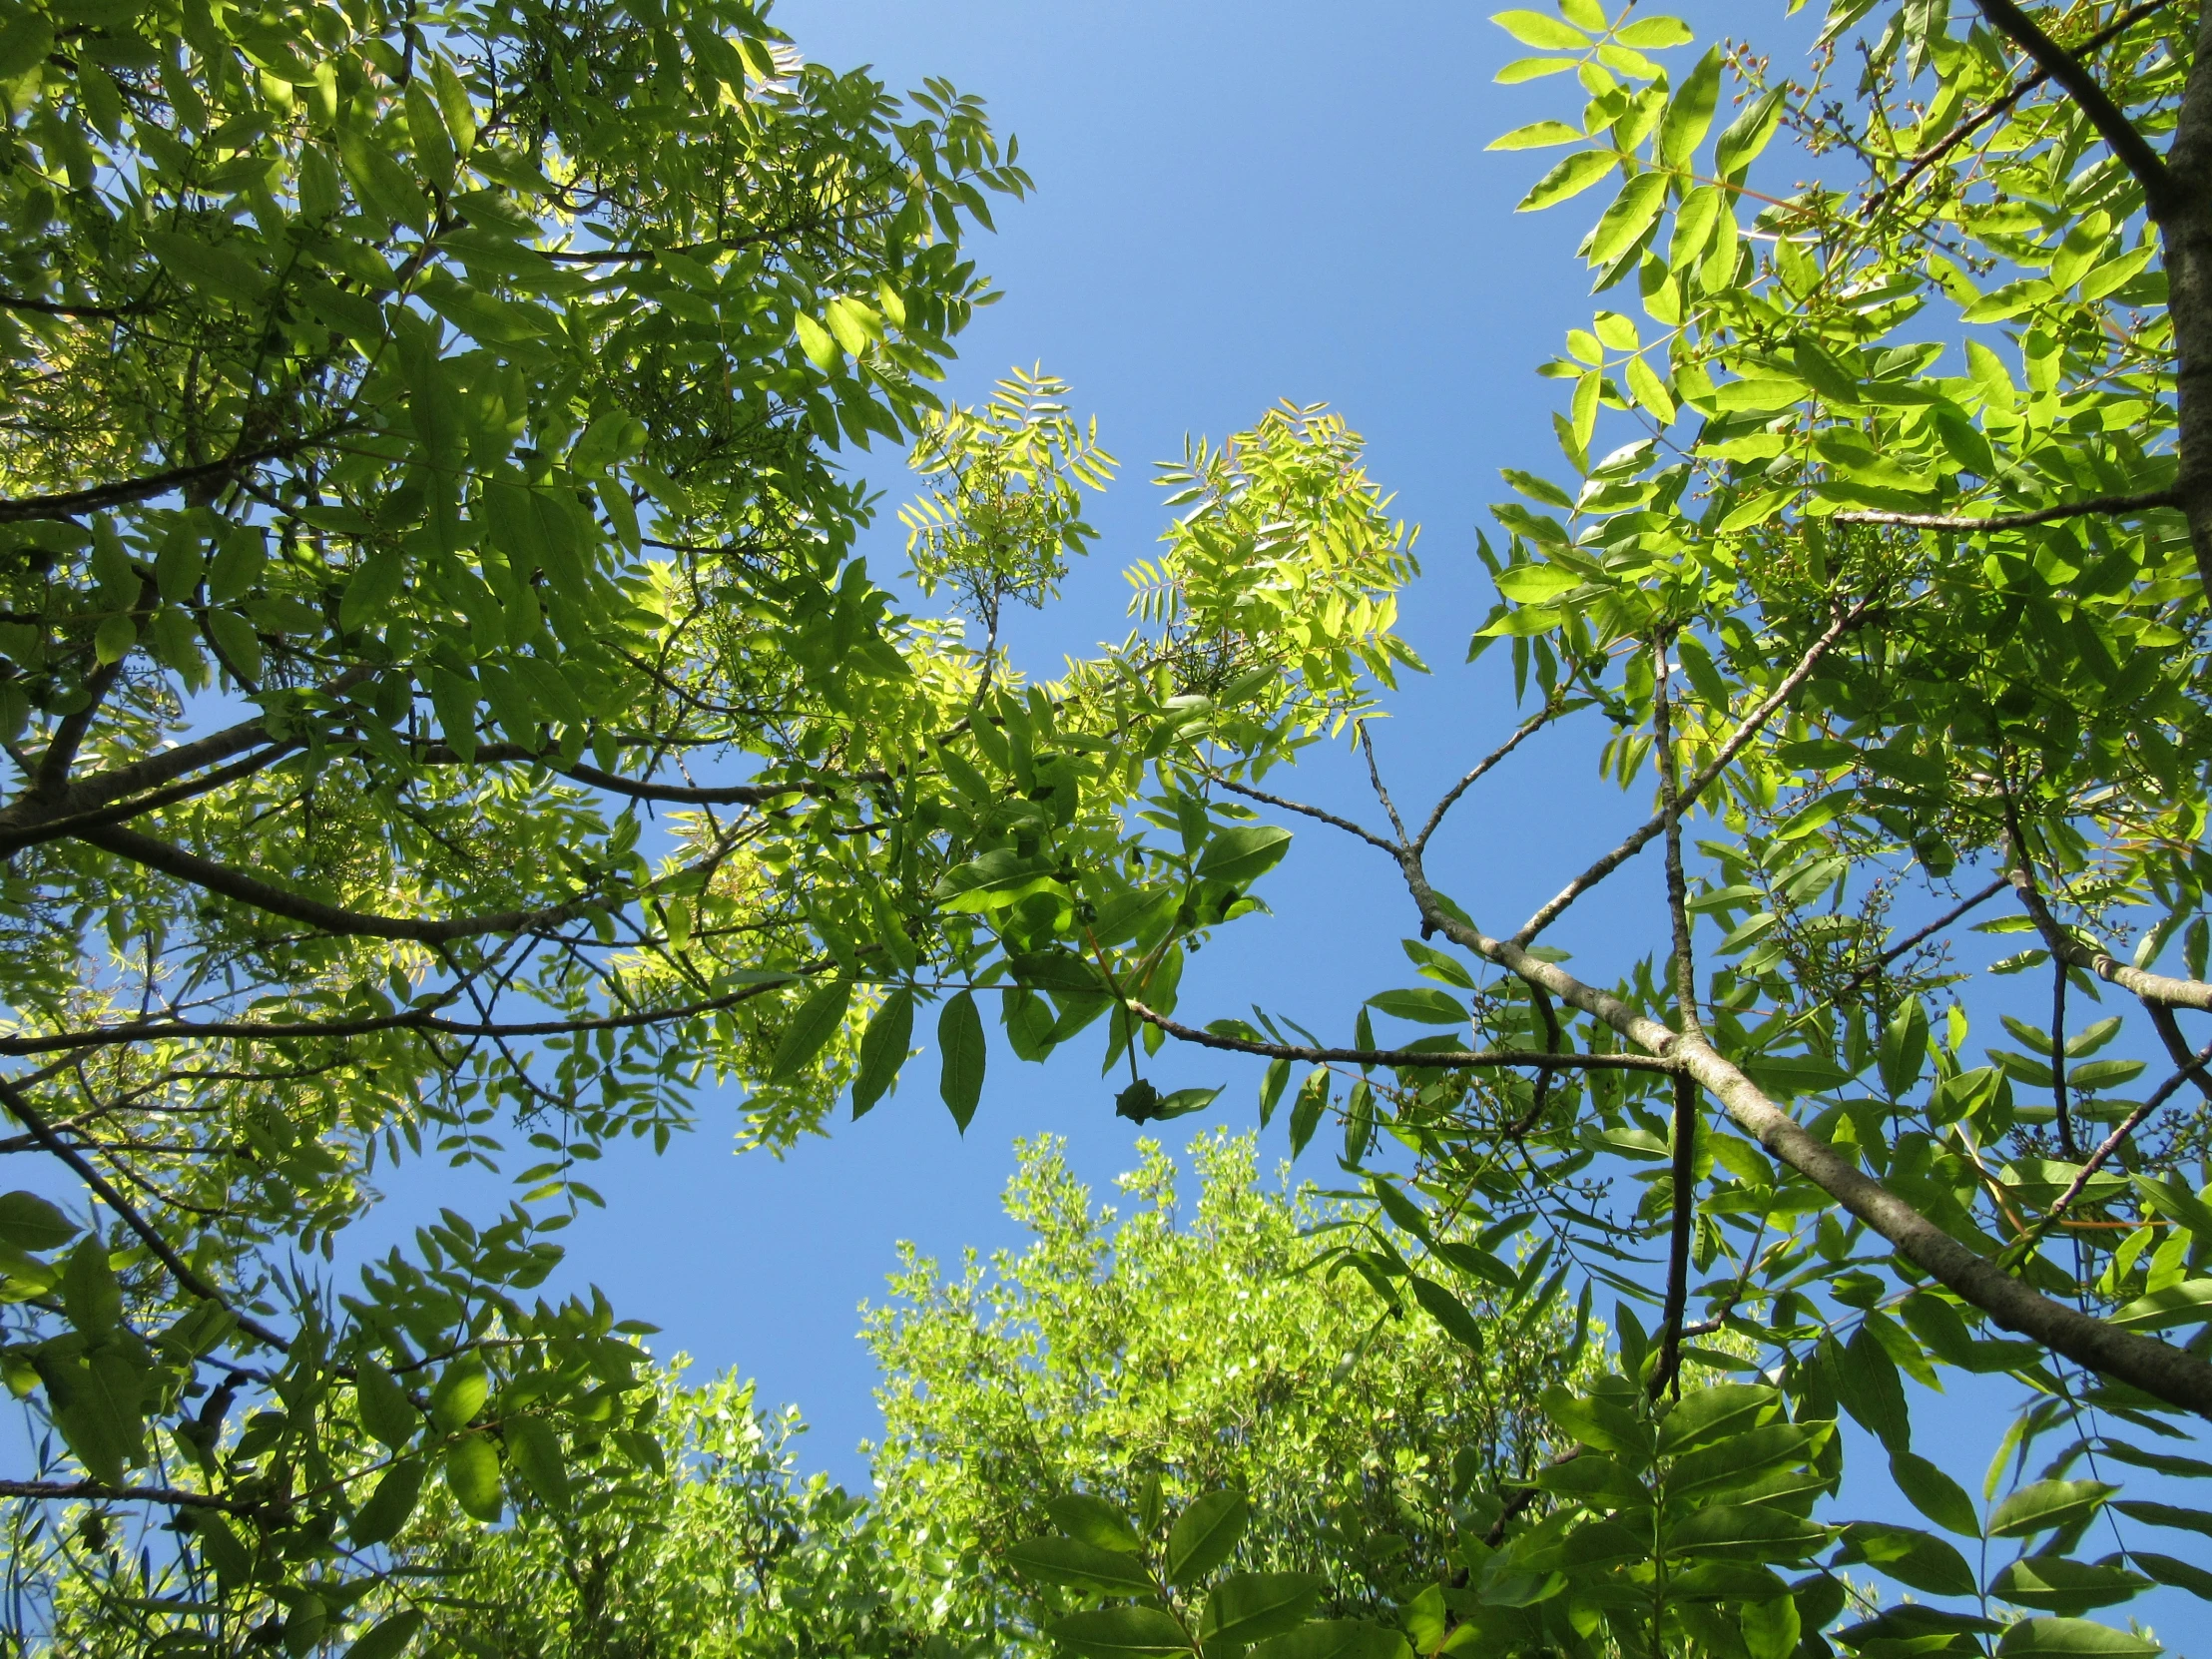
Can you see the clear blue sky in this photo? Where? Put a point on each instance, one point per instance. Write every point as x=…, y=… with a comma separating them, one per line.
x=1237, y=203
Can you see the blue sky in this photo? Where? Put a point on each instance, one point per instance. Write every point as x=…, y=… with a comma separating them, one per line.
x=1237, y=203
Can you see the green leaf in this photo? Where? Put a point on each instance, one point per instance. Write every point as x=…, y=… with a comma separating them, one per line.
x=389, y=1638
x=1690, y=109
x=1530, y=69
x=1652, y=34
x=1080, y=1566
x=1916, y=1560
x=1747, y=1531
x=1451, y=1313
x=1630, y=215
x=1535, y=136
x=370, y=592
x=1904, y=1048
x=1540, y=29
x=535, y=1449
x=2049, y=1506
x=1094, y=1522
x=1570, y=176
x=1748, y=134
x=1335, y=1639
x=380, y=1519
x=883, y=1049
x=1725, y=1409
x=1423, y=1004
x=819, y=1019
x=2188, y=1303
x=472, y=1476
x=1305, y=1111
x=813, y=339
x=1247, y=1608
x=960, y=1048
x=1242, y=853
x=215, y=271
x=1935, y=1494
x=91, y=1296
x=384, y=1409
x=1205, y=1534
x=29, y=1222
x=2072, y=1639
x=2054, y=1584
x=2165, y=1514
x=459, y=1395
x=1869, y=1388
x=1121, y=1633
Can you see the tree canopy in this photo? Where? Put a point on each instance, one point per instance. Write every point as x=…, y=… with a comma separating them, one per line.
x=420, y=467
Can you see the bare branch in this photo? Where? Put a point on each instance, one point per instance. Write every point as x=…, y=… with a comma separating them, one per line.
x=1912, y=940
x=1665, y=1374
x=99, y=1491
x=1678, y=887
x=2151, y=987
x=1528, y=728
x=1374, y=779
x=69, y=503
x=2021, y=89
x=1330, y=819
x=2119, y=504
x=1430, y=1060
x=414, y=1019
x=1655, y=825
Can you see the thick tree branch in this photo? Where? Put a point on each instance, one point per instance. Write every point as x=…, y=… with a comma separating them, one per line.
x=2117, y=505
x=2171, y=1373
x=1430, y=1060
x=2150, y=987
x=1655, y=825
x=2110, y=121
x=70, y=503
x=1664, y=1375
x=99, y=1491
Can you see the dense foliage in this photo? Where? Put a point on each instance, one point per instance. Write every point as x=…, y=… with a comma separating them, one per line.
x=1183, y=1348
x=418, y=472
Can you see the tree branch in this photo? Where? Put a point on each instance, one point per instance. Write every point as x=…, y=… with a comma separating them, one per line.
x=1528, y=728
x=258, y=894
x=1431, y=1059
x=1664, y=1375
x=2173, y=1374
x=72, y=502
x=28, y=1115
x=1641, y=837
x=1914, y=940
x=414, y=1019
x=1330, y=819
x=2110, y=121
x=99, y=1491
x=2016, y=521
x=2150, y=987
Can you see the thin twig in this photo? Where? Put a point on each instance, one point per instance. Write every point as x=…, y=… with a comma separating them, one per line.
x=1643, y=835
x=1678, y=887
x=2111, y=1144
x=1374, y=778
x=1528, y=728
x=29, y=1116
x=1914, y=939
x=1330, y=819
